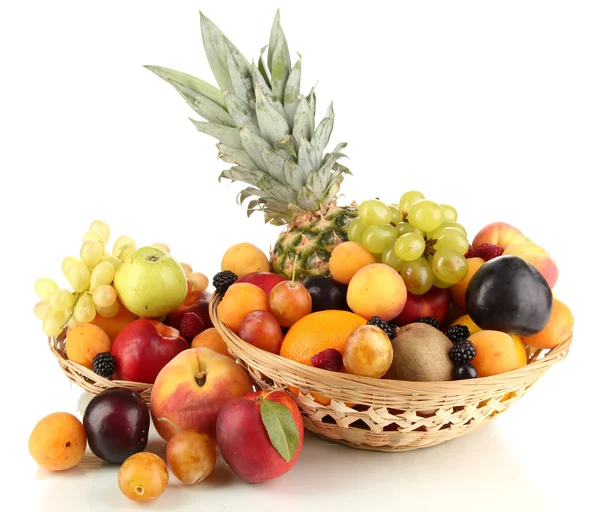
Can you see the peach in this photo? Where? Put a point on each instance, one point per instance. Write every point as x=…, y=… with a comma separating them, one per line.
x=458, y=290
x=496, y=353
x=245, y=258
x=239, y=300
x=348, y=258
x=210, y=338
x=368, y=352
x=499, y=233
x=377, y=290
x=537, y=257
x=192, y=388
x=557, y=330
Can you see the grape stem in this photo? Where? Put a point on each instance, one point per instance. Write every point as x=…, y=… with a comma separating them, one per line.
x=77, y=295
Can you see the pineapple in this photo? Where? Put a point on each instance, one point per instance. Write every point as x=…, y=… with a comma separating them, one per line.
x=267, y=130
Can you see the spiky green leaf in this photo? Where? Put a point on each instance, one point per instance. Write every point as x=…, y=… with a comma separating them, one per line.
x=240, y=74
x=292, y=91
x=254, y=145
x=214, y=46
x=307, y=157
x=201, y=87
x=323, y=132
x=304, y=122
x=259, y=83
x=294, y=175
x=226, y=134
x=248, y=176
x=280, y=65
x=286, y=145
x=273, y=125
x=235, y=156
x=261, y=67
x=275, y=189
x=243, y=114
x=312, y=102
x=332, y=191
x=307, y=200
x=317, y=182
x=275, y=27
x=274, y=164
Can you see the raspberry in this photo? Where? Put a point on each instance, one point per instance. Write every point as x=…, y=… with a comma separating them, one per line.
x=471, y=253
x=328, y=359
x=488, y=251
x=191, y=325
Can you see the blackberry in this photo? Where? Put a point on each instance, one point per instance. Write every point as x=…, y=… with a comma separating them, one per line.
x=458, y=333
x=429, y=320
x=223, y=280
x=104, y=364
x=382, y=324
x=462, y=352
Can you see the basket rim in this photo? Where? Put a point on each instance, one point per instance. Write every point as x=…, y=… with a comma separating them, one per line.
x=553, y=355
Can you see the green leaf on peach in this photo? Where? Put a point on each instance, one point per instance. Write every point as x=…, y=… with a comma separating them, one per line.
x=281, y=427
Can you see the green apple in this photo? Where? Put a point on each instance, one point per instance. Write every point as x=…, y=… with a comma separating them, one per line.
x=150, y=282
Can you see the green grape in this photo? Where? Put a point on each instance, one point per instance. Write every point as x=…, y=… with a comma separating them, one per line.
x=418, y=232
x=124, y=246
x=101, y=227
x=61, y=300
x=52, y=324
x=110, y=311
x=455, y=225
x=79, y=276
x=408, y=199
x=45, y=287
x=440, y=284
x=104, y=296
x=84, y=311
x=397, y=217
x=91, y=253
x=404, y=227
x=377, y=237
x=409, y=246
x=449, y=212
x=103, y=273
x=373, y=212
x=41, y=309
x=389, y=257
x=449, y=266
x=109, y=258
x=417, y=276
x=425, y=215
x=452, y=239
x=67, y=262
x=355, y=230
x=93, y=236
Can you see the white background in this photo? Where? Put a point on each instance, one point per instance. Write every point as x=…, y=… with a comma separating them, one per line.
x=493, y=107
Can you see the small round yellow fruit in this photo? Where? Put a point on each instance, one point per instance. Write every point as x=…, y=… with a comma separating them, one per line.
x=245, y=258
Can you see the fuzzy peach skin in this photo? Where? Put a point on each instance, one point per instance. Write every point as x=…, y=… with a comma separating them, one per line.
x=192, y=388
x=499, y=233
x=538, y=257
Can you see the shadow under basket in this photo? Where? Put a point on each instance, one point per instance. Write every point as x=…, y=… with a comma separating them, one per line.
x=387, y=415
x=86, y=378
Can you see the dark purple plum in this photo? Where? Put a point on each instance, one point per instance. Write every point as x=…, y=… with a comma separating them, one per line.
x=116, y=423
x=326, y=293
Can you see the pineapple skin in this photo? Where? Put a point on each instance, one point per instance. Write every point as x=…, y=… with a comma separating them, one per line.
x=308, y=242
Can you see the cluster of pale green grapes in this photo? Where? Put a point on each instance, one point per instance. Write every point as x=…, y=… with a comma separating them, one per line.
x=417, y=237
x=91, y=278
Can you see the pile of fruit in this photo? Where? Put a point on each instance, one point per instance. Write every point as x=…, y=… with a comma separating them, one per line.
x=379, y=290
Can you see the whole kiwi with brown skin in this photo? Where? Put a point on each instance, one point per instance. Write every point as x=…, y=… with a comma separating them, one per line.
x=421, y=353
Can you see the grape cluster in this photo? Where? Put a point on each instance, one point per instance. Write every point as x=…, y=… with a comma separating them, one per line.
x=417, y=237
x=91, y=278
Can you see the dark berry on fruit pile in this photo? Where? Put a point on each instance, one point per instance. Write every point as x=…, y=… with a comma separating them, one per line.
x=191, y=325
x=429, y=320
x=104, y=364
x=223, y=280
x=464, y=371
x=382, y=324
x=328, y=359
x=458, y=333
x=471, y=253
x=488, y=252
x=462, y=352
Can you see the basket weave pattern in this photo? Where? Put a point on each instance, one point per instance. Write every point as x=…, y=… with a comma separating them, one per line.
x=387, y=415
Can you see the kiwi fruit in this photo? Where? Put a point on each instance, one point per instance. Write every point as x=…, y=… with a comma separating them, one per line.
x=421, y=353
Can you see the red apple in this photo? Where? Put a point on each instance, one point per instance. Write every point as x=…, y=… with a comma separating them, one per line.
x=195, y=302
x=264, y=280
x=143, y=348
x=436, y=303
x=247, y=429
x=192, y=388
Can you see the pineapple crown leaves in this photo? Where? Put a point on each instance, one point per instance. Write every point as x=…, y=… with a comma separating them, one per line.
x=264, y=126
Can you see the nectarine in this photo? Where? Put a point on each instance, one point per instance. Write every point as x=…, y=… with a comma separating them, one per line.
x=538, y=257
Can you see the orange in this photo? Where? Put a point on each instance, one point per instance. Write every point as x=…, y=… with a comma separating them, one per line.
x=84, y=342
x=318, y=331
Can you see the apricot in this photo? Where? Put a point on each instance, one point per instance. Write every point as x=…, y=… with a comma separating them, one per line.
x=239, y=300
x=537, y=257
x=348, y=258
x=84, y=342
x=58, y=441
x=458, y=290
x=557, y=330
x=368, y=352
x=521, y=350
x=245, y=258
x=113, y=325
x=496, y=353
x=377, y=290
x=210, y=338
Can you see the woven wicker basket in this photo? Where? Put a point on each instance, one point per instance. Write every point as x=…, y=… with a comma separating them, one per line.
x=388, y=415
x=86, y=378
